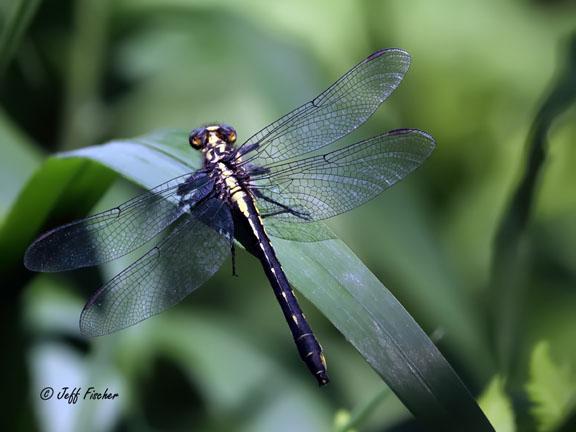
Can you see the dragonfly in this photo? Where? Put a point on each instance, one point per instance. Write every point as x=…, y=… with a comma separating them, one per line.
x=281, y=182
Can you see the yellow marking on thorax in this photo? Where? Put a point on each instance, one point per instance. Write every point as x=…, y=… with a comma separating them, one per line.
x=239, y=197
x=232, y=184
x=229, y=178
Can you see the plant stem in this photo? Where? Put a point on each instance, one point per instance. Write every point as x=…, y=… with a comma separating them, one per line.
x=82, y=113
x=362, y=411
x=509, y=274
x=18, y=18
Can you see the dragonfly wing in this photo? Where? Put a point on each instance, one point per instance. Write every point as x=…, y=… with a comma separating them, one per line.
x=184, y=260
x=302, y=232
x=320, y=187
x=116, y=232
x=339, y=110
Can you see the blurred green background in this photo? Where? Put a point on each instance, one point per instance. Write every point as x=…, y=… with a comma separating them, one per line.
x=78, y=73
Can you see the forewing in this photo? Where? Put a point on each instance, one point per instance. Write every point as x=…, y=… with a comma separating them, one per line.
x=340, y=109
x=323, y=186
x=116, y=232
x=183, y=261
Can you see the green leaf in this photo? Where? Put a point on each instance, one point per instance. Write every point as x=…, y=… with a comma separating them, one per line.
x=336, y=281
x=497, y=406
x=551, y=388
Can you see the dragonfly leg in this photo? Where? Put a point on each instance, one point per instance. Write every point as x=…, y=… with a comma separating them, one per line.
x=233, y=254
x=285, y=208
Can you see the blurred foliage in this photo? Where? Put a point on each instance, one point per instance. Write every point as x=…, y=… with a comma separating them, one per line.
x=551, y=388
x=497, y=406
x=77, y=73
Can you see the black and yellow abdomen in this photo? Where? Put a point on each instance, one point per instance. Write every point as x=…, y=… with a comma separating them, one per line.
x=250, y=232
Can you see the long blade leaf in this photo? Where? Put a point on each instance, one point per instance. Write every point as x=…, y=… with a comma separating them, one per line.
x=337, y=282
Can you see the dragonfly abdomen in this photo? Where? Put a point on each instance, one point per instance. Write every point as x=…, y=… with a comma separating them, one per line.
x=308, y=347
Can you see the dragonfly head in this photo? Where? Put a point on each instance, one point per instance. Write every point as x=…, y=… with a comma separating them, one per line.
x=211, y=136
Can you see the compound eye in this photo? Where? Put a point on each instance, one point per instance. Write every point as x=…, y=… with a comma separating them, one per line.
x=196, y=138
x=229, y=134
